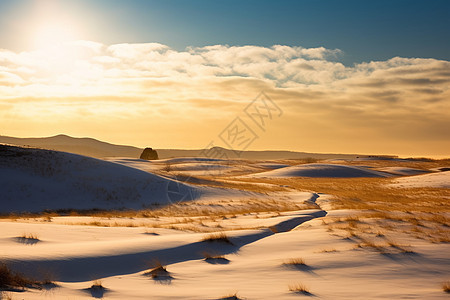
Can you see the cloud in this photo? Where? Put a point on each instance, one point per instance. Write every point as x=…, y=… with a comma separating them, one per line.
x=10, y=79
x=88, y=79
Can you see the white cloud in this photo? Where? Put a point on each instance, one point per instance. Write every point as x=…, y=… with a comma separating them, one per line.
x=86, y=64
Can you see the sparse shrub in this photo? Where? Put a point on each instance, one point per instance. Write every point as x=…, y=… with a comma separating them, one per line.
x=310, y=160
x=231, y=297
x=97, y=284
x=129, y=224
x=217, y=237
x=6, y=296
x=215, y=259
x=440, y=219
x=401, y=248
x=12, y=280
x=379, y=234
x=299, y=288
x=207, y=255
x=158, y=272
x=47, y=218
x=353, y=221
x=365, y=243
x=167, y=167
x=47, y=280
x=97, y=289
x=446, y=286
x=29, y=236
x=97, y=223
x=328, y=250
x=295, y=262
x=151, y=232
x=442, y=239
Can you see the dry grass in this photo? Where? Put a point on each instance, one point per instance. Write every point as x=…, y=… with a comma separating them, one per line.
x=331, y=250
x=230, y=297
x=366, y=243
x=385, y=247
x=189, y=209
x=369, y=193
x=299, y=288
x=158, y=271
x=13, y=280
x=151, y=232
x=29, y=236
x=208, y=255
x=419, y=212
x=215, y=259
x=446, y=286
x=97, y=289
x=97, y=284
x=6, y=295
x=295, y=262
x=199, y=224
x=217, y=237
x=406, y=249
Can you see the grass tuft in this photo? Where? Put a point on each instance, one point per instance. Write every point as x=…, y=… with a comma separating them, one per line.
x=446, y=286
x=158, y=271
x=231, y=297
x=217, y=237
x=208, y=255
x=6, y=296
x=299, y=288
x=13, y=280
x=215, y=259
x=402, y=248
x=295, y=262
x=97, y=289
x=29, y=236
x=97, y=284
x=328, y=250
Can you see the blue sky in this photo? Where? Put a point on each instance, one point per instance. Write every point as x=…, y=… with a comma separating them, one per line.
x=363, y=30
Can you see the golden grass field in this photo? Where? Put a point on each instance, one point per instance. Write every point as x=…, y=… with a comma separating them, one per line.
x=377, y=207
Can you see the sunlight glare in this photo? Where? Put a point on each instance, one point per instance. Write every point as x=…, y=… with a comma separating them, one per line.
x=51, y=35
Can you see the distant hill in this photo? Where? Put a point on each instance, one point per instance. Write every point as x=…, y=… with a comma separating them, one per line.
x=83, y=146
x=265, y=154
x=95, y=148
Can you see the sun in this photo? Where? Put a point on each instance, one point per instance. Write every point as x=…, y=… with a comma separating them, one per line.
x=54, y=43
x=53, y=34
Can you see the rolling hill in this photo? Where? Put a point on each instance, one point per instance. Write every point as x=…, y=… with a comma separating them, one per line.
x=99, y=149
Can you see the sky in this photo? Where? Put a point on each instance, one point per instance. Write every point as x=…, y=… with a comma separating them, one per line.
x=369, y=77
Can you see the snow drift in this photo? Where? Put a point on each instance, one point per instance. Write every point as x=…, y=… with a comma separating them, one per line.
x=34, y=180
x=435, y=180
x=322, y=170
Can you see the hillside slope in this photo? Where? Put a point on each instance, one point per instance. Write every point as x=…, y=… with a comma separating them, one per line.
x=83, y=146
x=322, y=170
x=95, y=148
x=33, y=180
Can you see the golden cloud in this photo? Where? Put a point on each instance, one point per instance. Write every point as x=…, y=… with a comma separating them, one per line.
x=401, y=99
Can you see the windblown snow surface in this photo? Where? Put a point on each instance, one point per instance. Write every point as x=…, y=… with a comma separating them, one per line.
x=436, y=180
x=322, y=170
x=75, y=250
x=34, y=180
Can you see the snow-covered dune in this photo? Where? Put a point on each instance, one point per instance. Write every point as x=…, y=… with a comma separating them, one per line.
x=269, y=165
x=33, y=180
x=192, y=166
x=322, y=170
x=403, y=171
x=436, y=180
